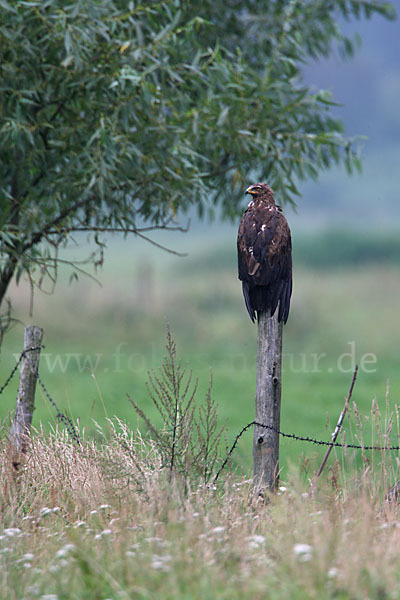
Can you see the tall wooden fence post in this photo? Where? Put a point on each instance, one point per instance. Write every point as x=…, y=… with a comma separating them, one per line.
x=21, y=426
x=268, y=402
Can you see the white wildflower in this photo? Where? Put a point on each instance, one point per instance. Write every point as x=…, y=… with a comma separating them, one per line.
x=26, y=558
x=161, y=563
x=282, y=488
x=333, y=572
x=255, y=541
x=12, y=531
x=79, y=524
x=102, y=534
x=63, y=562
x=392, y=524
x=93, y=512
x=104, y=506
x=65, y=550
x=134, y=546
x=45, y=511
x=303, y=552
x=153, y=540
x=218, y=530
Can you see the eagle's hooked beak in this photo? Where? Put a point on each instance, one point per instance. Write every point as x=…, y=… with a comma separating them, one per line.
x=250, y=190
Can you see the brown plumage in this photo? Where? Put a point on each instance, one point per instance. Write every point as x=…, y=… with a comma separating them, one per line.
x=265, y=255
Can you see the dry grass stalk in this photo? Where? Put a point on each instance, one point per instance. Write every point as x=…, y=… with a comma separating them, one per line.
x=104, y=521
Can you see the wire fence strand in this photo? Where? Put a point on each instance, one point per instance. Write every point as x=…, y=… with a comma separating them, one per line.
x=299, y=438
x=72, y=430
x=67, y=422
x=15, y=368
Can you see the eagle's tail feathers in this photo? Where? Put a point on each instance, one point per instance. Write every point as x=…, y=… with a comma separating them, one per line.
x=246, y=294
x=284, y=304
x=275, y=299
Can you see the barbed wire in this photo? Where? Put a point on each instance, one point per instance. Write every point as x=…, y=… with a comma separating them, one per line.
x=70, y=427
x=298, y=438
x=15, y=368
x=67, y=422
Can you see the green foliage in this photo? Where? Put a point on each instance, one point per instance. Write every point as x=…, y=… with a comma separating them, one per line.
x=189, y=438
x=116, y=114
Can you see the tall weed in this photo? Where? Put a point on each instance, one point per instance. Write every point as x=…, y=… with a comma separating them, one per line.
x=189, y=439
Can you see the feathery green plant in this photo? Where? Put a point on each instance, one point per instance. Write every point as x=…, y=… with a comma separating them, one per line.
x=189, y=438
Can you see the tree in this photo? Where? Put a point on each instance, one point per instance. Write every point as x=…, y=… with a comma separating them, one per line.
x=120, y=115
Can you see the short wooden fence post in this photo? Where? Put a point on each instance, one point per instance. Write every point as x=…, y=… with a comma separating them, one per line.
x=21, y=426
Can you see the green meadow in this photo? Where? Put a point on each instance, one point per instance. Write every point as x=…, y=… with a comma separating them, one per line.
x=103, y=337
x=110, y=521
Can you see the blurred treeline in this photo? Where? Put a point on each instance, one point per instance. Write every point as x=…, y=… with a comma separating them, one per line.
x=328, y=248
x=346, y=249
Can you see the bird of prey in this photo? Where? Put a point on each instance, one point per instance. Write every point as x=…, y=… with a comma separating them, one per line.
x=265, y=255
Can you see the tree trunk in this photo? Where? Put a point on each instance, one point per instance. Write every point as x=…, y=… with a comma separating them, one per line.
x=268, y=402
x=6, y=275
x=21, y=426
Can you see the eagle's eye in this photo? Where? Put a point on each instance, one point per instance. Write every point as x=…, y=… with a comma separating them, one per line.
x=254, y=189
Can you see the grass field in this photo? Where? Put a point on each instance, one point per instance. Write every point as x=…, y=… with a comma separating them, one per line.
x=106, y=521
x=101, y=341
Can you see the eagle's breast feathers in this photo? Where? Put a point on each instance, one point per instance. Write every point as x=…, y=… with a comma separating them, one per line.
x=265, y=256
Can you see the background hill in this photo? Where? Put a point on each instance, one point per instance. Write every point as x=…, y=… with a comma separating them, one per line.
x=368, y=90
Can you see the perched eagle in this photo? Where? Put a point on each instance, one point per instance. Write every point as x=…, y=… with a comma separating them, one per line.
x=265, y=255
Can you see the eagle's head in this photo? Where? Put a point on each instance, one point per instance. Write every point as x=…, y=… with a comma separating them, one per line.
x=261, y=190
